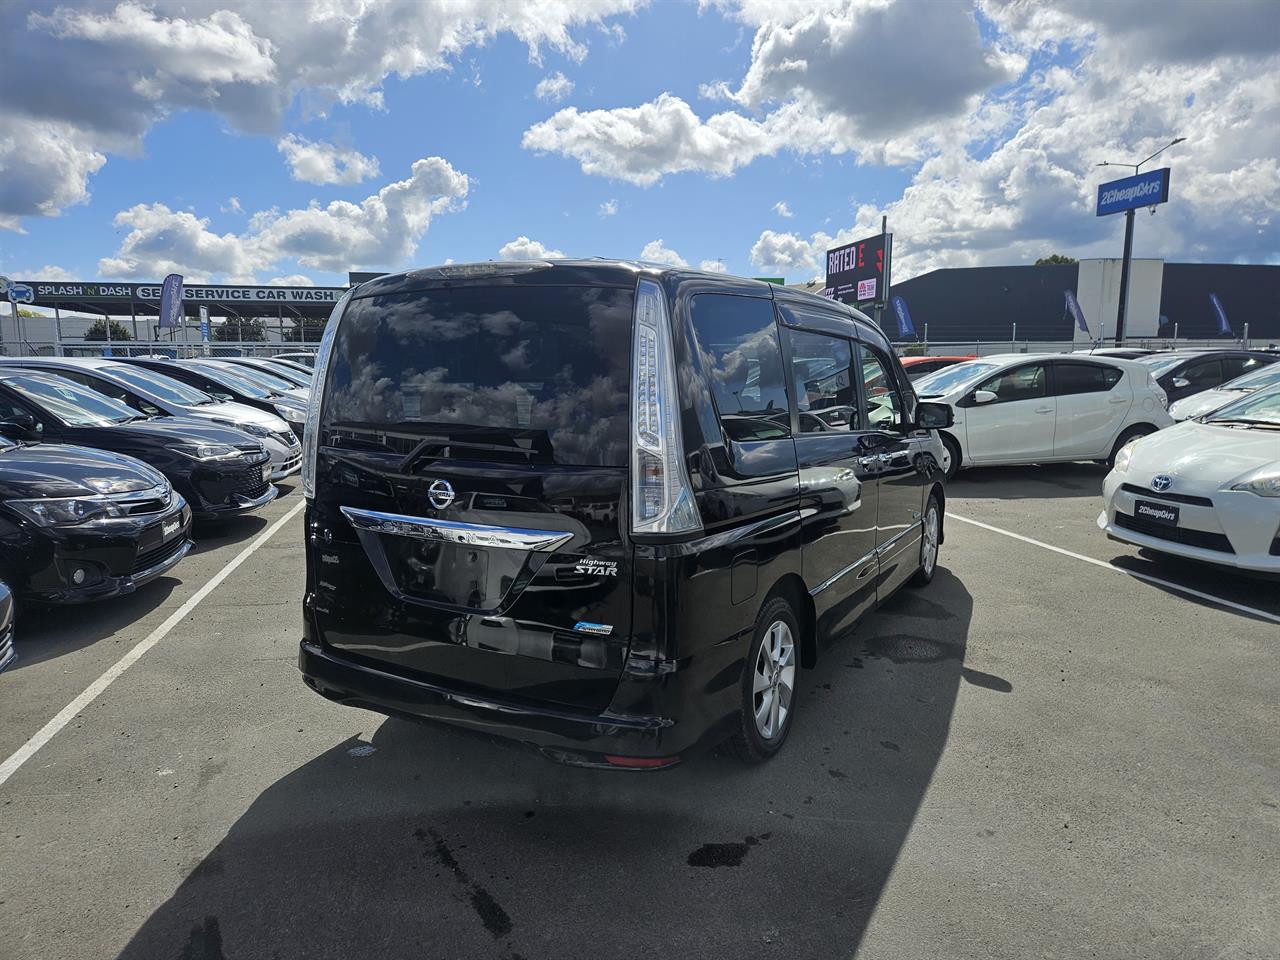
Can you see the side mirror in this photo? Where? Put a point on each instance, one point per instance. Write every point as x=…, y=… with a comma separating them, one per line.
x=934, y=416
x=984, y=396
x=18, y=427
x=1181, y=383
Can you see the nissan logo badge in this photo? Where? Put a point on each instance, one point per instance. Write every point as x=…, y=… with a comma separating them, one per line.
x=440, y=493
x=1159, y=482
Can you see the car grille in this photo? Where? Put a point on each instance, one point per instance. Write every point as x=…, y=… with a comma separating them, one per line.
x=1190, y=538
x=6, y=642
x=291, y=464
x=248, y=483
x=286, y=437
x=1138, y=491
x=158, y=555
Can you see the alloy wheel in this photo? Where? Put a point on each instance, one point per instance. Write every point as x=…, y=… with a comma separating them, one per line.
x=774, y=681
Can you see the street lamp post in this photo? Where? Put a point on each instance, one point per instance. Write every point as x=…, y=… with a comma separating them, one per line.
x=1128, y=241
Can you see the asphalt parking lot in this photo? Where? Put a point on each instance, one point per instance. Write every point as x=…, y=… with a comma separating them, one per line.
x=1037, y=756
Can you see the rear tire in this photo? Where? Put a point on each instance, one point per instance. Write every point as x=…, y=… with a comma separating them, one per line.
x=930, y=537
x=952, y=466
x=770, y=682
x=1133, y=433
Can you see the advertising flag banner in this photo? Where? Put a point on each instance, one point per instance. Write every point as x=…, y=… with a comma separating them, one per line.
x=171, y=301
x=1224, y=327
x=905, y=327
x=1073, y=308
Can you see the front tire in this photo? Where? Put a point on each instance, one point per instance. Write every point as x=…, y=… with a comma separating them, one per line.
x=930, y=539
x=951, y=466
x=770, y=678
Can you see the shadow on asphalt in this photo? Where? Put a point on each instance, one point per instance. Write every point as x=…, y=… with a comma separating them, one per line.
x=46, y=632
x=211, y=534
x=437, y=844
x=1229, y=584
x=1050, y=481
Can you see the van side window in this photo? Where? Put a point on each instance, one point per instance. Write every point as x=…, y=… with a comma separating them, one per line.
x=883, y=396
x=825, y=393
x=738, y=346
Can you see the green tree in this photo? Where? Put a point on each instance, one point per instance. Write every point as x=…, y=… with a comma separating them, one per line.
x=1054, y=258
x=305, y=330
x=240, y=331
x=98, y=331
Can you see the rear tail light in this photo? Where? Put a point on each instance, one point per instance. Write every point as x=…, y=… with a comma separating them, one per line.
x=310, y=432
x=661, y=500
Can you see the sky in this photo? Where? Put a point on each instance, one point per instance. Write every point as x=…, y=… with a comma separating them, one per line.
x=291, y=142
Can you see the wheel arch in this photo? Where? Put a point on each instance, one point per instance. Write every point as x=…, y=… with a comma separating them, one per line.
x=791, y=588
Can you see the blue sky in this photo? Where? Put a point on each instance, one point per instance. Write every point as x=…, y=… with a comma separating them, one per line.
x=976, y=129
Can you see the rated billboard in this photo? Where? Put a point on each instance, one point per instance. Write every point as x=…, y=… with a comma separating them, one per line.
x=858, y=272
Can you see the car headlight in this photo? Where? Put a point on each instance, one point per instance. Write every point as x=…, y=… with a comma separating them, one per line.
x=66, y=510
x=253, y=429
x=1264, y=485
x=1123, y=457
x=292, y=414
x=206, y=451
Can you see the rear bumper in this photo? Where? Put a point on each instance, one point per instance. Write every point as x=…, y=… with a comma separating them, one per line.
x=558, y=733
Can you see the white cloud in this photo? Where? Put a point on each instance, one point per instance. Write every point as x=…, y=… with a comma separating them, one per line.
x=554, y=87
x=655, y=251
x=522, y=248
x=713, y=266
x=608, y=208
x=232, y=206
x=784, y=253
x=384, y=229
x=323, y=163
x=107, y=73
x=47, y=272
x=292, y=280
x=782, y=210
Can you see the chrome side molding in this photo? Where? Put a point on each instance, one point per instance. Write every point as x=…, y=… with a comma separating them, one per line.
x=452, y=531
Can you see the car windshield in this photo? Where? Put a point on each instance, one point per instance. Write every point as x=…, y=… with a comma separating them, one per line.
x=285, y=371
x=1255, y=379
x=268, y=381
x=71, y=403
x=950, y=378
x=232, y=381
x=158, y=385
x=1161, y=364
x=1261, y=408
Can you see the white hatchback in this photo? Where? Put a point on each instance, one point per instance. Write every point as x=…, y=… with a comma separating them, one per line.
x=1205, y=489
x=1040, y=408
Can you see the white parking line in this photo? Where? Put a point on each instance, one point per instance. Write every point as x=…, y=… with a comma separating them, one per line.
x=1147, y=578
x=91, y=693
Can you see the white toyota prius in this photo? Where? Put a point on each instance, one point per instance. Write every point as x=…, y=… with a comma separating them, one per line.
x=1205, y=489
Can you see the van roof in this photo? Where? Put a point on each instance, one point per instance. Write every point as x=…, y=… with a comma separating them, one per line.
x=597, y=271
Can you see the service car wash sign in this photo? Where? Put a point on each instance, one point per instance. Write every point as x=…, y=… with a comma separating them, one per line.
x=207, y=293
x=858, y=272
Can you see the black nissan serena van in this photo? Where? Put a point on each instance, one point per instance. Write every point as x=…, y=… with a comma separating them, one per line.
x=607, y=509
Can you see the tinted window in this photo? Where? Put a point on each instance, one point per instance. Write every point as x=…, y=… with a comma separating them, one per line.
x=825, y=393
x=1233, y=367
x=542, y=371
x=71, y=403
x=268, y=381
x=1021, y=383
x=232, y=381
x=738, y=343
x=1207, y=373
x=883, y=400
x=1072, y=378
x=159, y=386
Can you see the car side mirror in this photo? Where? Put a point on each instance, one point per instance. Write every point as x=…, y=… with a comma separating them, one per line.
x=1181, y=382
x=18, y=427
x=934, y=416
x=984, y=396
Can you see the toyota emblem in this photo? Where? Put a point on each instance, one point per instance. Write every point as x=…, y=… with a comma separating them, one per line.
x=440, y=493
x=1161, y=482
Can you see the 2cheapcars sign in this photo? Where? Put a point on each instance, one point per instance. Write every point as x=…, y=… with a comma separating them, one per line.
x=858, y=272
x=1143, y=190
x=215, y=293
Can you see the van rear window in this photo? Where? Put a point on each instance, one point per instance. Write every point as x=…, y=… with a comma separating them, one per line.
x=509, y=373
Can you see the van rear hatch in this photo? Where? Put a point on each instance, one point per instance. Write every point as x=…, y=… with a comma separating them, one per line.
x=468, y=526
